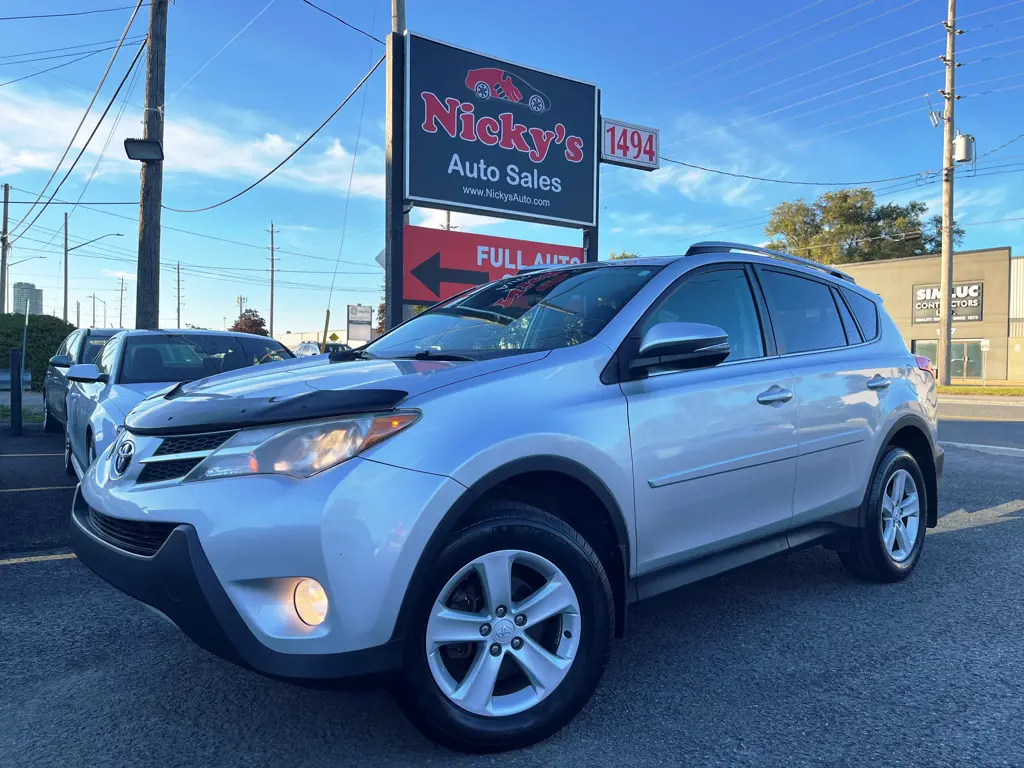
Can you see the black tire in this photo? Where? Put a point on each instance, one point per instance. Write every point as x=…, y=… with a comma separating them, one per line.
x=50, y=424
x=68, y=466
x=510, y=525
x=867, y=557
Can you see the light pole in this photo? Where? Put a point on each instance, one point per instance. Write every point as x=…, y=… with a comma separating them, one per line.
x=96, y=298
x=69, y=250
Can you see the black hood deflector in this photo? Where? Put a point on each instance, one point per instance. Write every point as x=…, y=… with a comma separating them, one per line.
x=178, y=412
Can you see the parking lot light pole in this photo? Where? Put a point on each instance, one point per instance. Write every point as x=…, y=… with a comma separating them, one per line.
x=69, y=250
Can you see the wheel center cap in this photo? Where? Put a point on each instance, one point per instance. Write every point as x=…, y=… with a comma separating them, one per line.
x=504, y=631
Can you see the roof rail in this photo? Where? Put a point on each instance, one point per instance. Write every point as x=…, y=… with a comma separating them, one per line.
x=714, y=246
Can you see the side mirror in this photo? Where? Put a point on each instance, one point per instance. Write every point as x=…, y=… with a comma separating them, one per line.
x=682, y=346
x=85, y=373
x=60, y=361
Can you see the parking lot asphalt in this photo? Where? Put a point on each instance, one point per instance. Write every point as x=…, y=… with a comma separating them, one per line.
x=787, y=662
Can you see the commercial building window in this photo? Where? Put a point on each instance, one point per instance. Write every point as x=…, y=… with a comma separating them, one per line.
x=804, y=316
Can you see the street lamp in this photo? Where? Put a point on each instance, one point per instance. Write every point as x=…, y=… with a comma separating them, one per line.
x=96, y=298
x=109, y=234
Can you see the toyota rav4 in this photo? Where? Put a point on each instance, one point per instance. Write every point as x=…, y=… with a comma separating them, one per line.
x=469, y=505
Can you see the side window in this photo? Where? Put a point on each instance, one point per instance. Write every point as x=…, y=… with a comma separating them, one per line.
x=866, y=312
x=268, y=351
x=721, y=297
x=852, y=334
x=804, y=316
x=66, y=344
x=105, y=361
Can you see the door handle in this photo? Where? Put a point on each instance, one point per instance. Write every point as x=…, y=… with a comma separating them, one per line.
x=775, y=395
x=879, y=382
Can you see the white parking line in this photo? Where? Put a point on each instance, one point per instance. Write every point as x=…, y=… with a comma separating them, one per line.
x=996, y=450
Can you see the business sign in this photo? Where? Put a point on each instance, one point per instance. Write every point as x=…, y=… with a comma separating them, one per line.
x=968, y=302
x=489, y=136
x=360, y=317
x=440, y=263
x=630, y=145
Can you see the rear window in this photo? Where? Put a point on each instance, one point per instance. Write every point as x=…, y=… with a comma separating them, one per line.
x=259, y=351
x=804, y=316
x=179, y=357
x=866, y=312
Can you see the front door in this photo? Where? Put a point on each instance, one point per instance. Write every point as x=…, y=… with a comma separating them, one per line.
x=714, y=450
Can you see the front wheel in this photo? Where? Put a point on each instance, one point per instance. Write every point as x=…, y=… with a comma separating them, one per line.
x=512, y=634
x=50, y=424
x=888, y=545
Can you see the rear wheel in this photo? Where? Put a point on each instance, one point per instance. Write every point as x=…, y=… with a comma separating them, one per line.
x=512, y=634
x=889, y=544
x=50, y=424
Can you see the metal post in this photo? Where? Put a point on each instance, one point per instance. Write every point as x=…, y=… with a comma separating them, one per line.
x=120, y=305
x=394, y=206
x=94, y=310
x=179, y=296
x=4, y=247
x=15, y=391
x=78, y=314
x=272, y=278
x=946, y=275
x=65, y=267
x=147, y=287
x=590, y=239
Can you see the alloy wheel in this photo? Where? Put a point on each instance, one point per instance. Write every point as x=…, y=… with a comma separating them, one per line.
x=901, y=515
x=503, y=633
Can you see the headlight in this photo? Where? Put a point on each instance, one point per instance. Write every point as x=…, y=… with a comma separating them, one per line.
x=299, y=450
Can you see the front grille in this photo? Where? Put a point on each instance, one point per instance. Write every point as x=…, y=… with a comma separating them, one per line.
x=136, y=536
x=190, y=443
x=167, y=470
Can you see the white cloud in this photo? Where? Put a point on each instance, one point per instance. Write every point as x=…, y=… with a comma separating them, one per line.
x=35, y=129
x=118, y=274
x=464, y=222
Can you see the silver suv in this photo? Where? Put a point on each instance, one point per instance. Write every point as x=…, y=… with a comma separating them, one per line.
x=470, y=504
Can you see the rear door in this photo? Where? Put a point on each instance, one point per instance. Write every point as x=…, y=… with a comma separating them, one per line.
x=712, y=465
x=840, y=381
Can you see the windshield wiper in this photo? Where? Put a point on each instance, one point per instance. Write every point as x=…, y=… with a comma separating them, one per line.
x=443, y=357
x=349, y=354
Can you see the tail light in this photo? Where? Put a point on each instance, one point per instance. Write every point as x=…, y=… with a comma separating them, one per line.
x=925, y=364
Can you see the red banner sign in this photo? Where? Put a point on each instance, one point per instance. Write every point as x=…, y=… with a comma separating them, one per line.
x=439, y=263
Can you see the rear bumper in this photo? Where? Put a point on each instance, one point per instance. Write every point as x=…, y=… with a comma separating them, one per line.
x=179, y=582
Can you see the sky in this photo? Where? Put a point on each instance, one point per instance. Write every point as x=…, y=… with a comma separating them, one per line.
x=804, y=90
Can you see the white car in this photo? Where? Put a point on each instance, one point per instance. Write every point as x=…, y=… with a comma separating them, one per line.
x=308, y=349
x=135, y=364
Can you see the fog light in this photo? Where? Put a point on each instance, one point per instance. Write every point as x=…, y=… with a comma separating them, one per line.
x=310, y=602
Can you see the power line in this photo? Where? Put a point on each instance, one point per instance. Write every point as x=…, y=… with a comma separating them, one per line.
x=961, y=17
x=776, y=41
x=730, y=41
x=1001, y=146
x=75, y=13
x=788, y=181
x=808, y=44
x=88, y=108
x=44, y=71
x=350, y=26
x=61, y=48
x=85, y=146
x=55, y=56
x=223, y=48
x=292, y=154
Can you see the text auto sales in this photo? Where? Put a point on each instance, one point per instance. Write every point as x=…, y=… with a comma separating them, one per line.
x=457, y=119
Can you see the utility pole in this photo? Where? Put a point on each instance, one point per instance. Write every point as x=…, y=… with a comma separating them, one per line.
x=65, y=266
x=946, y=277
x=147, y=290
x=78, y=314
x=448, y=220
x=3, y=251
x=120, y=305
x=94, y=310
x=241, y=305
x=179, y=296
x=271, y=279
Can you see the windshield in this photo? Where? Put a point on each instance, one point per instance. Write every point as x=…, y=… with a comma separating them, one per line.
x=527, y=313
x=92, y=347
x=151, y=358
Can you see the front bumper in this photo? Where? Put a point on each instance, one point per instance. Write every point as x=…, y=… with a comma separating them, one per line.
x=179, y=582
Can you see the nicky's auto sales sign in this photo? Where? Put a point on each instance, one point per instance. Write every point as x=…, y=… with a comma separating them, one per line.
x=492, y=137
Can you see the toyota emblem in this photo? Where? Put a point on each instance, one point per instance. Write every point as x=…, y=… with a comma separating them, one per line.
x=123, y=458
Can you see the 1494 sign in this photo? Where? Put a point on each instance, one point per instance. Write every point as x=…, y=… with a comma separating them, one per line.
x=491, y=136
x=631, y=145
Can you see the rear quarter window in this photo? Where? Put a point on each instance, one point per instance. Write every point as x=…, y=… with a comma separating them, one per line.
x=804, y=315
x=866, y=312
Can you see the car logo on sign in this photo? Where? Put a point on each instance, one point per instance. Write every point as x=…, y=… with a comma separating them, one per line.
x=123, y=458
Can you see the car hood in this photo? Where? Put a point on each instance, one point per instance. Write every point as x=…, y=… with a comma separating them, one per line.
x=124, y=397
x=314, y=388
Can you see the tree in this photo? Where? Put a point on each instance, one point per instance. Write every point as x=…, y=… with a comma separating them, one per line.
x=622, y=255
x=250, y=322
x=847, y=225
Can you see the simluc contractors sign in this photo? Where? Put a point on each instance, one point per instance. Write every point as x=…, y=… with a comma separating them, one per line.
x=489, y=136
x=968, y=302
